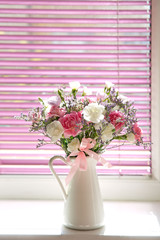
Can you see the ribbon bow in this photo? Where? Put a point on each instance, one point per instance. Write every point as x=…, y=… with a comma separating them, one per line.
x=81, y=161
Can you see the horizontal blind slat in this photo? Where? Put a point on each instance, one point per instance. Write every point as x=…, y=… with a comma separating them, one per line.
x=72, y=29
x=72, y=20
x=78, y=47
x=72, y=12
x=74, y=64
x=74, y=72
x=89, y=81
x=94, y=3
x=59, y=38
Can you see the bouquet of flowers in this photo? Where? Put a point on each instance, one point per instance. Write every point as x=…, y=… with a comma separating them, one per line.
x=83, y=124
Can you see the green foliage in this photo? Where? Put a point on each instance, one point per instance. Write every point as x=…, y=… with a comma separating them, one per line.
x=74, y=92
x=121, y=137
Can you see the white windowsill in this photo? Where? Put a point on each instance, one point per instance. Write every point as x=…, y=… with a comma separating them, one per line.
x=43, y=220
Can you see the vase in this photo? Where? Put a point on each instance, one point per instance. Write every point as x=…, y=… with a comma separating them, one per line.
x=83, y=205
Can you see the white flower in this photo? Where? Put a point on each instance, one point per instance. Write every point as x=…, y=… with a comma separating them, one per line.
x=47, y=106
x=55, y=130
x=93, y=112
x=130, y=137
x=54, y=100
x=100, y=95
x=98, y=126
x=108, y=84
x=123, y=98
x=74, y=145
x=87, y=91
x=116, y=108
x=107, y=133
x=74, y=85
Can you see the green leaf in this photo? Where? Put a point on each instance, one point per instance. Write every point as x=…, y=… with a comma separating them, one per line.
x=60, y=92
x=41, y=101
x=121, y=137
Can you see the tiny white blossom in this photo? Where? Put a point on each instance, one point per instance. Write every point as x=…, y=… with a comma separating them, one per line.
x=109, y=84
x=87, y=91
x=130, y=137
x=123, y=98
x=74, y=145
x=74, y=85
x=47, y=106
x=107, y=133
x=55, y=130
x=100, y=95
x=93, y=112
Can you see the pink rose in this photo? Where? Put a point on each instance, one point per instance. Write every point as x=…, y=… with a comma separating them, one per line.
x=137, y=132
x=55, y=112
x=117, y=119
x=71, y=123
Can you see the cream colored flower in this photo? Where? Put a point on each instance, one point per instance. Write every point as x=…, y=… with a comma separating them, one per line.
x=107, y=133
x=116, y=108
x=87, y=91
x=109, y=84
x=74, y=145
x=93, y=112
x=98, y=126
x=130, y=137
x=123, y=98
x=100, y=95
x=55, y=130
x=74, y=85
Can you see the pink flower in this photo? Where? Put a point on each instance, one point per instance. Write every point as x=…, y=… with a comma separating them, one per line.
x=35, y=116
x=117, y=119
x=137, y=132
x=90, y=100
x=55, y=112
x=71, y=123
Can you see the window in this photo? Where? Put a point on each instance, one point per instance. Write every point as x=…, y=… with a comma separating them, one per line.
x=35, y=68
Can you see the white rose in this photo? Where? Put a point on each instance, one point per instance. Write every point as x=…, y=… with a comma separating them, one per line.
x=74, y=145
x=107, y=133
x=130, y=137
x=93, y=112
x=55, y=130
x=74, y=85
x=108, y=84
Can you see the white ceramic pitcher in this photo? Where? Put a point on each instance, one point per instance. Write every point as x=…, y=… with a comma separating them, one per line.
x=83, y=208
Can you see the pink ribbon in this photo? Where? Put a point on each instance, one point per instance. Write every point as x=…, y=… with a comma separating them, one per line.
x=81, y=162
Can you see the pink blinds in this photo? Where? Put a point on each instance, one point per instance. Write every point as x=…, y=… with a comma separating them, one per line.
x=44, y=44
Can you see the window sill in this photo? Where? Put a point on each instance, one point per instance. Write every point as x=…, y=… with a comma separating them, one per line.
x=43, y=220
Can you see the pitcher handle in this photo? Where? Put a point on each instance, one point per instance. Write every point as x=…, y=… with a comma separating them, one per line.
x=56, y=176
